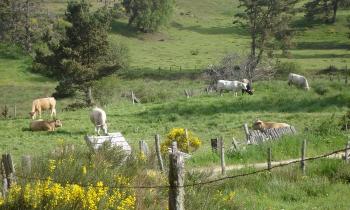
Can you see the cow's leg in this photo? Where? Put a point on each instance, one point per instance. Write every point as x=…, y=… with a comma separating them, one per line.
x=98, y=130
x=53, y=112
x=220, y=92
x=39, y=111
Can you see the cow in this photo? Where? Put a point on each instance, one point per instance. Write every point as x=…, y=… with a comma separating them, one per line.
x=249, y=89
x=42, y=104
x=45, y=125
x=98, y=118
x=261, y=125
x=298, y=80
x=234, y=86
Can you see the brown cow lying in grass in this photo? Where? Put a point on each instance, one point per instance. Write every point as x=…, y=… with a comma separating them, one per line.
x=42, y=104
x=45, y=125
x=260, y=125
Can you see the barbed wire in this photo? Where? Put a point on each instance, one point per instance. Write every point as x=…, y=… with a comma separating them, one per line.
x=193, y=184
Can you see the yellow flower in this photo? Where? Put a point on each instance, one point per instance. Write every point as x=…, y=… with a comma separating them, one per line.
x=184, y=143
x=52, y=165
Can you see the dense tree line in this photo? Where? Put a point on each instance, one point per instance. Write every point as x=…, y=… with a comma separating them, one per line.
x=324, y=10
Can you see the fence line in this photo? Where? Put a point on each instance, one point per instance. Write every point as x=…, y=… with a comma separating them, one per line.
x=198, y=183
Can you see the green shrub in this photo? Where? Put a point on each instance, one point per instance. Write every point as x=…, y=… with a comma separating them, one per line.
x=321, y=89
x=284, y=68
x=148, y=15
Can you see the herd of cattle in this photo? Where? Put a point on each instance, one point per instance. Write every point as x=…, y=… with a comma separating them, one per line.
x=244, y=85
x=98, y=116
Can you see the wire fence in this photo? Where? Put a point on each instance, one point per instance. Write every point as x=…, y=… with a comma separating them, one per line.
x=193, y=184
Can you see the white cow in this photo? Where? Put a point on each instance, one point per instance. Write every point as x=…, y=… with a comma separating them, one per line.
x=298, y=80
x=98, y=118
x=233, y=86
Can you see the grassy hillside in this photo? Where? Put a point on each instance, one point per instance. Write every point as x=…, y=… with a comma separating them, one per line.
x=205, y=27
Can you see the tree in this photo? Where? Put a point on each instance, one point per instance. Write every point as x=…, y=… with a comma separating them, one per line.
x=19, y=22
x=325, y=10
x=148, y=15
x=268, y=23
x=83, y=54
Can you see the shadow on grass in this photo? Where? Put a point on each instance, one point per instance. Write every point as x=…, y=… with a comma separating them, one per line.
x=234, y=29
x=315, y=56
x=321, y=45
x=241, y=104
x=161, y=74
x=122, y=28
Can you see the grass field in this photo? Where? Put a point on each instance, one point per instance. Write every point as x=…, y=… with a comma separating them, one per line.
x=163, y=65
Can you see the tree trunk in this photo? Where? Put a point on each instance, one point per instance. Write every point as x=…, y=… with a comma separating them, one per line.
x=335, y=8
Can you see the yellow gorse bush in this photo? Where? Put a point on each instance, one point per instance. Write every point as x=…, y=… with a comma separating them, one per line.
x=51, y=195
x=189, y=144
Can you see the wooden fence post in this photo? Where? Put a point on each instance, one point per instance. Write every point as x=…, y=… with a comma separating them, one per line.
x=246, y=131
x=303, y=154
x=4, y=180
x=188, y=141
x=143, y=147
x=214, y=144
x=132, y=97
x=173, y=147
x=159, y=155
x=269, y=158
x=347, y=148
x=222, y=156
x=176, y=181
x=89, y=96
x=9, y=169
x=234, y=143
x=26, y=164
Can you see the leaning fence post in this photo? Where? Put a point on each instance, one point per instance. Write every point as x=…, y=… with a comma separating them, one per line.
x=222, y=156
x=303, y=153
x=159, y=156
x=269, y=158
x=347, y=152
x=246, y=131
x=176, y=181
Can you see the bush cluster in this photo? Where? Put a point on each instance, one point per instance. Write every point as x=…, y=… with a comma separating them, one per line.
x=184, y=144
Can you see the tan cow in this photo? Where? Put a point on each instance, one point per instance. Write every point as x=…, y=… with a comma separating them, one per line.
x=45, y=125
x=43, y=104
x=260, y=125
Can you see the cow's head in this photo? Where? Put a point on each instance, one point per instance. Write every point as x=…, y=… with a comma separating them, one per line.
x=258, y=125
x=32, y=115
x=58, y=123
